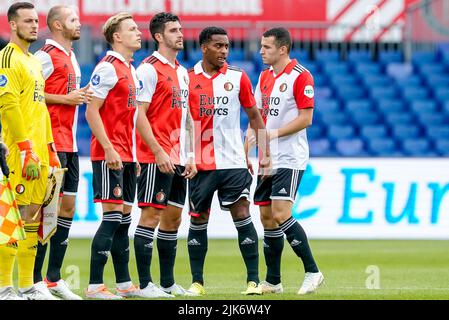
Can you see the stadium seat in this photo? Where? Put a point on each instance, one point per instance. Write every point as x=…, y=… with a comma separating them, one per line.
x=376, y=80
x=335, y=118
x=323, y=92
x=370, y=132
x=346, y=92
x=319, y=80
x=327, y=55
x=315, y=132
x=362, y=118
x=393, y=118
x=416, y=147
x=339, y=80
x=383, y=147
x=194, y=55
x=311, y=66
x=390, y=105
x=320, y=148
x=385, y=92
x=236, y=55
x=86, y=73
x=424, y=57
x=412, y=81
x=432, y=118
x=415, y=93
x=368, y=68
x=399, y=70
x=431, y=68
x=334, y=68
x=360, y=56
x=386, y=57
x=246, y=65
x=442, y=147
x=327, y=105
x=404, y=131
x=337, y=132
x=442, y=93
x=437, y=132
x=436, y=80
x=350, y=147
x=300, y=55
x=423, y=106
x=359, y=105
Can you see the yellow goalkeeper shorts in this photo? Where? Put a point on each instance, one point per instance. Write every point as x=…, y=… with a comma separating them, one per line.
x=26, y=192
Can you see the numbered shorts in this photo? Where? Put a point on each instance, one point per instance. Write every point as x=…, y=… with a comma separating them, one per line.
x=114, y=186
x=283, y=185
x=231, y=184
x=156, y=189
x=70, y=182
x=26, y=192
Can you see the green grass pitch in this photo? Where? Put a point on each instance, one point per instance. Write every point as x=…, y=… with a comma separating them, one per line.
x=400, y=269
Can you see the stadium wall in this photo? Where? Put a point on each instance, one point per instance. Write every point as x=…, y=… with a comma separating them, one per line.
x=351, y=198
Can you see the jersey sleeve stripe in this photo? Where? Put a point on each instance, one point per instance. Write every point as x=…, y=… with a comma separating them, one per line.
x=151, y=60
x=47, y=48
x=6, y=60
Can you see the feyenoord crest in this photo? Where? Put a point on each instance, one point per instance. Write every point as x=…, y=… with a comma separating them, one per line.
x=228, y=86
x=160, y=196
x=283, y=87
x=117, y=192
x=20, y=188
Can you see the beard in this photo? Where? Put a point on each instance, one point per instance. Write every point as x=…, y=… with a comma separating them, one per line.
x=29, y=39
x=71, y=35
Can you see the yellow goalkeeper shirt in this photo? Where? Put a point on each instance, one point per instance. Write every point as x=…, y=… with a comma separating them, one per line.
x=24, y=114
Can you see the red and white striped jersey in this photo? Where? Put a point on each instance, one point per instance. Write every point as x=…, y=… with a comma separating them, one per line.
x=166, y=88
x=62, y=75
x=115, y=81
x=215, y=103
x=280, y=97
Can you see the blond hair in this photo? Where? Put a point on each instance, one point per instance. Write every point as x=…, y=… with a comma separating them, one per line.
x=112, y=25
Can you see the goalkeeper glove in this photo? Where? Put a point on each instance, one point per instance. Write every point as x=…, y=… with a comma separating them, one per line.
x=53, y=156
x=30, y=161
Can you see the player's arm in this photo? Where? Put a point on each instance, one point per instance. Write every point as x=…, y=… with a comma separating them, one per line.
x=11, y=113
x=146, y=132
x=249, y=104
x=103, y=80
x=303, y=93
x=147, y=76
x=53, y=159
x=190, y=169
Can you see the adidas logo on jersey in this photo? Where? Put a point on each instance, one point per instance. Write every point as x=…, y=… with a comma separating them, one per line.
x=282, y=191
x=193, y=242
x=105, y=253
x=198, y=87
x=295, y=242
x=149, y=245
x=169, y=78
x=65, y=242
x=247, y=241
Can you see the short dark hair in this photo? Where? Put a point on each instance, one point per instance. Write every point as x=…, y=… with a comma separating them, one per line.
x=157, y=23
x=281, y=37
x=12, y=11
x=207, y=33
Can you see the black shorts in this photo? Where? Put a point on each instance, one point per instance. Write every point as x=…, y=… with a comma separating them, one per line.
x=283, y=185
x=157, y=189
x=71, y=178
x=231, y=184
x=114, y=186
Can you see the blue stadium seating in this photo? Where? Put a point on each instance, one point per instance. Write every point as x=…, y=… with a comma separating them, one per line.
x=423, y=106
x=327, y=55
x=384, y=92
x=376, y=80
x=350, y=147
x=390, y=105
x=320, y=148
x=386, y=57
x=315, y=132
x=368, y=68
x=359, y=105
x=399, y=70
x=334, y=68
x=370, y=132
x=327, y=105
x=360, y=56
x=438, y=132
x=404, y=131
x=393, y=118
x=442, y=147
x=416, y=147
x=337, y=132
x=383, y=147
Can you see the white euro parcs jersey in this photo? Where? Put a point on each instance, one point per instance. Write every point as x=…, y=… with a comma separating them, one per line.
x=215, y=103
x=280, y=99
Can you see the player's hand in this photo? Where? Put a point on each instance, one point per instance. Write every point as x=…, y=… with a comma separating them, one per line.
x=53, y=156
x=190, y=170
x=88, y=93
x=138, y=169
x=164, y=163
x=265, y=166
x=113, y=160
x=31, y=168
x=75, y=97
x=250, y=166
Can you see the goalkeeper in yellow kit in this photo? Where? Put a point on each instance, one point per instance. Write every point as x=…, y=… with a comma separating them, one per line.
x=26, y=131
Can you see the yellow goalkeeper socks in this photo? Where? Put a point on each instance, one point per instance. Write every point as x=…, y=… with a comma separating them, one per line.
x=26, y=255
x=8, y=254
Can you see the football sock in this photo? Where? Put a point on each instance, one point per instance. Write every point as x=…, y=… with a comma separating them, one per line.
x=248, y=244
x=143, y=248
x=58, y=247
x=298, y=241
x=8, y=254
x=101, y=245
x=166, y=247
x=120, y=250
x=26, y=255
x=197, y=247
x=273, y=244
x=39, y=262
